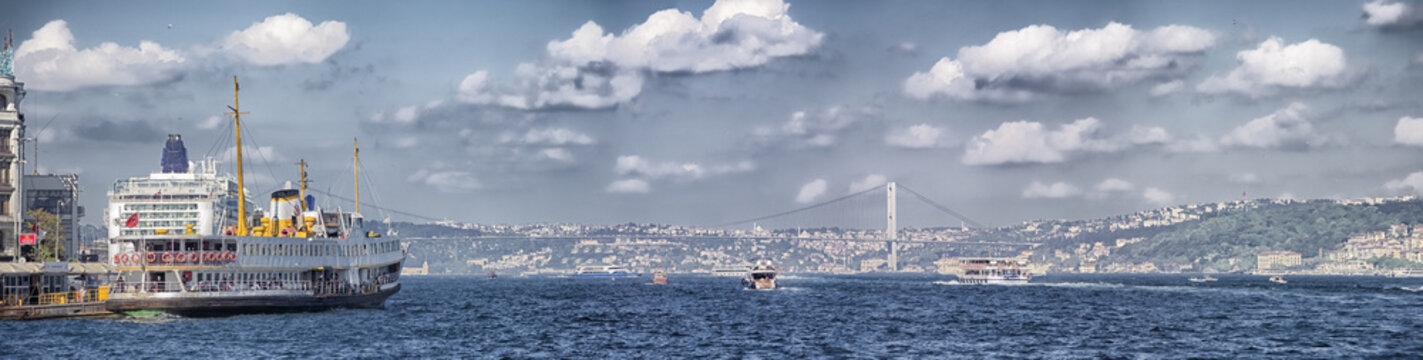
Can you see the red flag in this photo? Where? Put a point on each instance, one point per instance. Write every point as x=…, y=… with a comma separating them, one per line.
x=132, y=220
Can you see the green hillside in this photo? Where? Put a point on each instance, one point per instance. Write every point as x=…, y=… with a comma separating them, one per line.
x=1229, y=241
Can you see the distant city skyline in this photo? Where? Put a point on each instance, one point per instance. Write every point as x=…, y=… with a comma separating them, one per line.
x=696, y=113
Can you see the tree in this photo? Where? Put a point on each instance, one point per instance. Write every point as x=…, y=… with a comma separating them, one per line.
x=48, y=248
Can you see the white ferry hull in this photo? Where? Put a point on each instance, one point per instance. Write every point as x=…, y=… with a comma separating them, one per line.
x=196, y=305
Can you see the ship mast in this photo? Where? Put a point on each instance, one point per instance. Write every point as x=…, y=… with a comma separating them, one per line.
x=356, y=164
x=241, y=188
x=302, y=196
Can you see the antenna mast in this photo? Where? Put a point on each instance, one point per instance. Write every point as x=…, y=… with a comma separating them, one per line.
x=241, y=188
x=356, y=164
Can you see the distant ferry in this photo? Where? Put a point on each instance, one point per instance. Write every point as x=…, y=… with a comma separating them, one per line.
x=604, y=271
x=183, y=243
x=761, y=276
x=993, y=271
x=1203, y=279
x=1278, y=279
x=731, y=271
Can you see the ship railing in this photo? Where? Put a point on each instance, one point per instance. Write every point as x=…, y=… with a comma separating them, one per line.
x=316, y=287
x=97, y=294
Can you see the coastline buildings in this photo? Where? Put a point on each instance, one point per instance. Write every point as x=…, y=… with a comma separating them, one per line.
x=57, y=194
x=1270, y=260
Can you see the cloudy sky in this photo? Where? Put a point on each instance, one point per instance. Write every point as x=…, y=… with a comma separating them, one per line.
x=694, y=112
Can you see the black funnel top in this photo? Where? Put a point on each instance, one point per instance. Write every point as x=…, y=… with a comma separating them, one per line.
x=175, y=155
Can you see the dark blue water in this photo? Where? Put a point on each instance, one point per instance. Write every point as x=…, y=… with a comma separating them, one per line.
x=1142, y=316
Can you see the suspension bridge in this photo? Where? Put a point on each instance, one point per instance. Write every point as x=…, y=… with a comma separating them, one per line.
x=868, y=215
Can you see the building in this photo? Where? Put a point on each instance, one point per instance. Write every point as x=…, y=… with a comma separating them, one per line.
x=1277, y=260
x=12, y=129
x=57, y=194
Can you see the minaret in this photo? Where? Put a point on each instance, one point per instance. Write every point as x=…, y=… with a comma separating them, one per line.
x=12, y=129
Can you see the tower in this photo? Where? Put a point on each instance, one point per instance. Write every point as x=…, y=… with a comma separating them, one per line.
x=892, y=227
x=12, y=129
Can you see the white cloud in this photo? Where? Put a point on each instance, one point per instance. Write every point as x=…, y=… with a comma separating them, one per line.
x=49, y=61
x=1057, y=190
x=558, y=154
x=628, y=186
x=1385, y=14
x=920, y=136
x=210, y=123
x=810, y=191
x=549, y=136
x=1245, y=178
x=1031, y=142
x=1167, y=88
x=1274, y=66
x=1115, y=185
x=1157, y=196
x=636, y=165
x=1288, y=127
x=1198, y=144
x=254, y=155
x=449, y=181
x=1413, y=183
x=1417, y=59
x=811, y=129
x=405, y=142
x=869, y=182
x=594, y=69
x=1017, y=65
x=1409, y=131
x=287, y=39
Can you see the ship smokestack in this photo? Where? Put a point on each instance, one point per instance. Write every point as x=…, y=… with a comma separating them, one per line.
x=175, y=155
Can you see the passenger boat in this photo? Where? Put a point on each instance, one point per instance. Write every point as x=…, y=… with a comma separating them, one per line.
x=1277, y=279
x=182, y=244
x=993, y=271
x=659, y=276
x=1201, y=279
x=731, y=271
x=761, y=276
x=604, y=271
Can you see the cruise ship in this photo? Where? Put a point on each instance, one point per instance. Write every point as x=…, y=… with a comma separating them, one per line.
x=183, y=243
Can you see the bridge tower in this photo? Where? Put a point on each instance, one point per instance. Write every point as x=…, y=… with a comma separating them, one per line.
x=892, y=227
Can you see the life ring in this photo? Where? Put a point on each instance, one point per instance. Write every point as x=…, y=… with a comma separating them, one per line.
x=181, y=257
x=135, y=258
x=207, y=257
x=119, y=259
x=229, y=231
x=151, y=257
x=167, y=257
x=231, y=256
x=193, y=257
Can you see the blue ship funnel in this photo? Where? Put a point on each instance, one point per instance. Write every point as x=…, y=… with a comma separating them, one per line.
x=175, y=155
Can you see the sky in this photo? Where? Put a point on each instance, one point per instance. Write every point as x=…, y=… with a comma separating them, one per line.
x=698, y=112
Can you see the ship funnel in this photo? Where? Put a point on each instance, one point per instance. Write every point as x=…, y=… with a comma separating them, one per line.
x=284, y=211
x=175, y=155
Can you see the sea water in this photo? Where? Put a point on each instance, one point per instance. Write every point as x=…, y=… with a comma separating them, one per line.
x=810, y=316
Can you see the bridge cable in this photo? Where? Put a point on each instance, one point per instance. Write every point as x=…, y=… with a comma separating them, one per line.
x=941, y=207
x=783, y=213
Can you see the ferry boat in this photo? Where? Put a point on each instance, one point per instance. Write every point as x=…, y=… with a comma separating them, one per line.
x=761, y=276
x=183, y=244
x=604, y=271
x=1202, y=279
x=993, y=271
x=730, y=271
x=659, y=276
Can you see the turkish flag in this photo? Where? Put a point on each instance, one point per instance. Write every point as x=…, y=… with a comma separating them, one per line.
x=132, y=220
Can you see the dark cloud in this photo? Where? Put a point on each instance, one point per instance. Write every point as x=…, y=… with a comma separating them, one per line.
x=137, y=131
